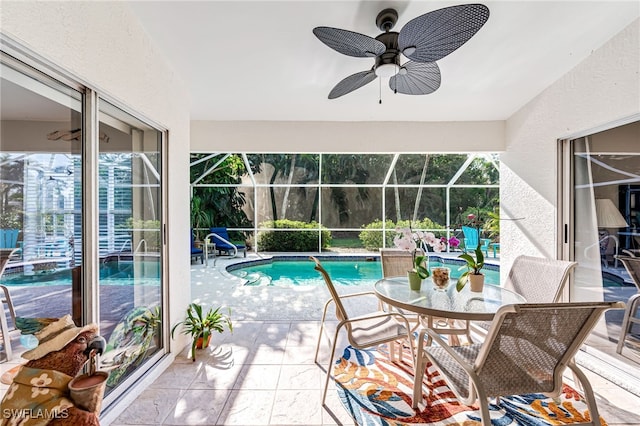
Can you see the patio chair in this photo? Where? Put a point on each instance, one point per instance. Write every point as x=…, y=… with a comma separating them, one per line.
x=7, y=304
x=223, y=243
x=195, y=251
x=472, y=239
x=537, y=279
x=632, y=265
x=364, y=331
x=528, y=348
x=9, y=238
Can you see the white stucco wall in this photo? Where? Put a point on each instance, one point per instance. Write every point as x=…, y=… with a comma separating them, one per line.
x=103, y=44
x=603, y=88
x=381, y=137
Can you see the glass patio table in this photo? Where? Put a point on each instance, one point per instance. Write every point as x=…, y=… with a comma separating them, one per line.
x=448, y=303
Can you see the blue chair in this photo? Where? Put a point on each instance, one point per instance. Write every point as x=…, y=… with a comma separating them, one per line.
x=9, y=238
x=471, y=240
x=195, y=251
x=220, y=237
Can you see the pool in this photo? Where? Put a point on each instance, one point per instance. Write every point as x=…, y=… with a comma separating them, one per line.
x=350, y=271
x=111, y=273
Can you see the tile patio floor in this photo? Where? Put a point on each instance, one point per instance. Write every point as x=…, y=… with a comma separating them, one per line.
x=264, y=374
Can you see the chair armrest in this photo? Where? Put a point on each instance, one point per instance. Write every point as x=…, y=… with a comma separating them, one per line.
x=463, y=363
x=364, y=293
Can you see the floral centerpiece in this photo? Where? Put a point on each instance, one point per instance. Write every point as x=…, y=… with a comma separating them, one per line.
x=412, y=241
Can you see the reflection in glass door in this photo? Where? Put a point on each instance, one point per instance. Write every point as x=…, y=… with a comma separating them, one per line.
x=130, y=241
x=606, y=174
x=40, y=205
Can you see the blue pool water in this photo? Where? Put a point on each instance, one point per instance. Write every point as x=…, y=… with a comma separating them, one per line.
x=111, y=273
x=301, y=272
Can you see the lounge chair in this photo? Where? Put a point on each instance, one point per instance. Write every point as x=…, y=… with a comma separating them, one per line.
x=632, y=265
x=364, y=331
x=220, y=237
x=195, y=251
x=528, y=348
x=472, y=239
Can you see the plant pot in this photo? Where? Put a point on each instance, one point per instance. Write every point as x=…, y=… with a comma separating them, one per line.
x=476, y=282
x=200, y=344
x=415, y=282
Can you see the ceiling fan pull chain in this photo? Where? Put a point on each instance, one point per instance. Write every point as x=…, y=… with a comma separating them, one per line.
x=380, y=91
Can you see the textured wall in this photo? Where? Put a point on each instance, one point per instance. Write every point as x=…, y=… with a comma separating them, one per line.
x=103, y=44
x=603, y=88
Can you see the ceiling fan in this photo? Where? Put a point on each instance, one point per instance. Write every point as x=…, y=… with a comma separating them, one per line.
x=423, y=40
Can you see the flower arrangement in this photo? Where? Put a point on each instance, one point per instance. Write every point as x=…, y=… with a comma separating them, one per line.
x=412, y=241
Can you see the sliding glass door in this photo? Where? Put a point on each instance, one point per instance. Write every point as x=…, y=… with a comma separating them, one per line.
x=81, y=218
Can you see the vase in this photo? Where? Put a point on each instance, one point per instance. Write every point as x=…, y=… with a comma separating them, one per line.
x=440, y=277
x=200, y=343
x=476, y=282
x=415, y=282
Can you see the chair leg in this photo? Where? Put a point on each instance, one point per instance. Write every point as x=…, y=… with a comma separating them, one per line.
x=588, y=395
x=628, y=321
x=324, y=315
x=331, y=356
x=418, y=371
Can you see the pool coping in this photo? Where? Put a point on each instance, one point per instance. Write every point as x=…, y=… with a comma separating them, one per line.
x=373, y=257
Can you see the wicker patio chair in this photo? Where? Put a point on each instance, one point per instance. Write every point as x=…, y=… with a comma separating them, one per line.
x=364, y=331
x=537, y=279
x=632, y=265
x=527, y=350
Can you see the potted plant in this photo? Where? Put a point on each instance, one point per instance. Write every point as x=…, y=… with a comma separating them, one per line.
x=199, y=325
x=474, y=271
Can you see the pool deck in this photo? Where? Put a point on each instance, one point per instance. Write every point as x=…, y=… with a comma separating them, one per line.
x=257, y=374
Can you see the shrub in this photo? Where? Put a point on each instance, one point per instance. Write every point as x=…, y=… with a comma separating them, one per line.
x=371, y=236
x=291, y=240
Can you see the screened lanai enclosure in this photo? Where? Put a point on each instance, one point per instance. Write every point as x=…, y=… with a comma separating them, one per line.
x=341, y=201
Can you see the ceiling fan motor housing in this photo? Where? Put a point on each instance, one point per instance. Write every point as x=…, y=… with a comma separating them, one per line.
x=391, y=55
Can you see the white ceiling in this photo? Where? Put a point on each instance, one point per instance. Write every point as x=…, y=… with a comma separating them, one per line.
x=259, y=60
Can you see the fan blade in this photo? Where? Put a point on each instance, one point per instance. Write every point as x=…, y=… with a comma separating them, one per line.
x=350, y=43
x=436, y=34
x=351, y=83
x=421, y=79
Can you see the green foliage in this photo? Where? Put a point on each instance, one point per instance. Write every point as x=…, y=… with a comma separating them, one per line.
x=218, y=205
x=292, y=240
x=11, y=192
x=371, y=236
x=152, y=236
x=199, y=324
x=474, y=266
x=492, y=225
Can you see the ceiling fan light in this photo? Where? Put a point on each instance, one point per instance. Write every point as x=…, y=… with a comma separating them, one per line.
x=402, y=71
x=408, y=51
x=386, y=70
